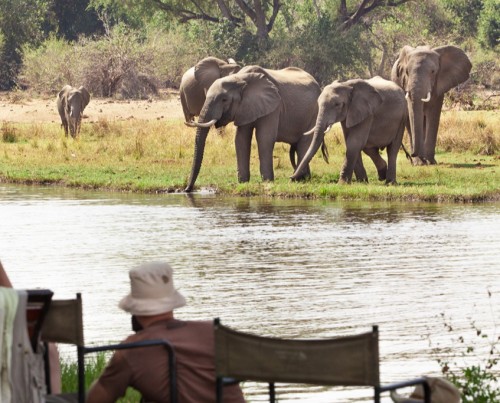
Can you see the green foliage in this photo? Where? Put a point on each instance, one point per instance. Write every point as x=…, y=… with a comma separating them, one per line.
x=125, y=63
x=489, y=25
x=465, y=15
x=472, y=363
x=49, y=67
x=20, y=23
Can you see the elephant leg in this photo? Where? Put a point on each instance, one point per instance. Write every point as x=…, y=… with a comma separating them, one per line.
x=243, y=145
x=432, y=118
x=360, y=171
x=266, y=130
x=355, y=140
x=65, y=126
x=379, y=162
x=301, y=148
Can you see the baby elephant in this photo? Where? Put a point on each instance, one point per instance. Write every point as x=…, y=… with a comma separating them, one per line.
x=372, y=114
x=70, y=103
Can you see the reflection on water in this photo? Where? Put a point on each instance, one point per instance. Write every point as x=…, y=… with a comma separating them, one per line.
x=289, y=268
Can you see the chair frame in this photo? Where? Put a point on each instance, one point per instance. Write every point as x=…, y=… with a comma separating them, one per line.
x=227, y=376
x=83, y=350
x=41, y=298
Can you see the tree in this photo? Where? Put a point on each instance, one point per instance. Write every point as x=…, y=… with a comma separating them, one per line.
x=353, y=15
x=489, y=25
x=20, y=23
x=261, y=13
x=72, y=18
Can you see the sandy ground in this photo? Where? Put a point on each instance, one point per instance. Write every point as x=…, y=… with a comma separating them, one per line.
x=27, y=110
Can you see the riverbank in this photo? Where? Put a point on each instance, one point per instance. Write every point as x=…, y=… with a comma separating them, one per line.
x=143, y=146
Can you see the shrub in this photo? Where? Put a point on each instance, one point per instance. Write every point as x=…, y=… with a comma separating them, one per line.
x=123, y=64
x=477, y=378
x=8, y=133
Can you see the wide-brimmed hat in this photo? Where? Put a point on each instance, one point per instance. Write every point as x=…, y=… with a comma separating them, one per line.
x=152, y=290
x=442, y=391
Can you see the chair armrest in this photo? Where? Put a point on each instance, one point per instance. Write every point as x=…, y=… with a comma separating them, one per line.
x=404, y=384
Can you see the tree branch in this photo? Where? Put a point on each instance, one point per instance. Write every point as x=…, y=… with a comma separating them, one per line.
x=247, y=10
x=276, y=9
x=364, y=8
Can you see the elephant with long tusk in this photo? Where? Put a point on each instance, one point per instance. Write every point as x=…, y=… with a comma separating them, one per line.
x=279, y=105
x=425, y=75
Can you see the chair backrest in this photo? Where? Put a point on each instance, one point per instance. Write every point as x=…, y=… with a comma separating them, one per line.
x=349, y=360
x=340, y=361
x=64, y=324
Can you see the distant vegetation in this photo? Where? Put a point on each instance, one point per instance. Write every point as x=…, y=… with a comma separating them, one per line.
x=156, y=156
x=132, y=48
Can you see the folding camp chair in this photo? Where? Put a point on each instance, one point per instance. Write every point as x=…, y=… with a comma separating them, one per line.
x=341, y=361
x=64, y=324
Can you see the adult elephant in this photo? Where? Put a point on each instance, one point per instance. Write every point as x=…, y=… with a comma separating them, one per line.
x=197, y=80
x=70, y=104
x=279, y=104
x=425, y=75
x=372, y=114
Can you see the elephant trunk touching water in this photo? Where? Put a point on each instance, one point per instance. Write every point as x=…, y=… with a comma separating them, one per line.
x=279, y=105
x=205, y=121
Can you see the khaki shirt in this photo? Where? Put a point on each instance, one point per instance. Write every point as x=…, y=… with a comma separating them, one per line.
x=146, y=369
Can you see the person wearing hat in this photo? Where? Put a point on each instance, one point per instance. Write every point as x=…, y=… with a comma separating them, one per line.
x=152, y=301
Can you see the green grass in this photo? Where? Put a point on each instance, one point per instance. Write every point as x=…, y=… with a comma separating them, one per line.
x=156, y=156
x=94, y=365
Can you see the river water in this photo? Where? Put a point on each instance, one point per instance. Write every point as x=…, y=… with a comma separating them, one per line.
x=286, y=268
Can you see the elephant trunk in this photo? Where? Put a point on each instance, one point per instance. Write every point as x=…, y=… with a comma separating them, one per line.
x=317, y=141
x=199, y=146
x=416, y=116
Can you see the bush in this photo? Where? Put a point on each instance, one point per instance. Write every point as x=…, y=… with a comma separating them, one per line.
x=123, y=64
x=477, y=378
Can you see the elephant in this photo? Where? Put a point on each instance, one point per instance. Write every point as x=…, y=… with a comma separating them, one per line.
x=279, y=104
x=373, y=114
x=197, y=80
x=70, y=104
x=425, y=75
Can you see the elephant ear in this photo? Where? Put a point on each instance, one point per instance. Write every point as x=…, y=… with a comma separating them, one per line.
x=206, y=71
x=398, y=73
x=454, y=68
x=364, y=101
x=85, y=96
x=229, y=68
x=259, y=97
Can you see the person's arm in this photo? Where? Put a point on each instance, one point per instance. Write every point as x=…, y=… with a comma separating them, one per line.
x=4, y=279
x=113, y=382
x=99, y=394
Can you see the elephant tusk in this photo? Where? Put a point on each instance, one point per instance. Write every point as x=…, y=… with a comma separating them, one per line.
x=428, y=97
x=205, y=125
x=407, y=96
x=328, y=128
x=190, y=124
x=308, y=133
